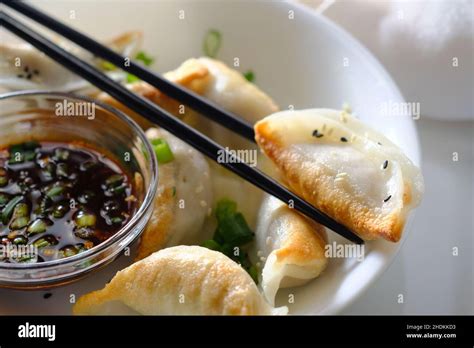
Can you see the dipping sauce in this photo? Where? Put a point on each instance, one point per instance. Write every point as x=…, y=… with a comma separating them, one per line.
x=60, y=198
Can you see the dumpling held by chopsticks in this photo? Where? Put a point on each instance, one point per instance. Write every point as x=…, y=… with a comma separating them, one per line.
x=344, y=168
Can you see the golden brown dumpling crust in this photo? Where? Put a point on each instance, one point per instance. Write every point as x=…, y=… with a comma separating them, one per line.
x=180, y=280
x=316, y=183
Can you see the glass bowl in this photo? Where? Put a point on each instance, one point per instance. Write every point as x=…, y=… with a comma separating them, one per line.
x=60, y=117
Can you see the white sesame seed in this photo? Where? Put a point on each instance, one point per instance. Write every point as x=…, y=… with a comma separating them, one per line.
x=200, y=188
x=203, y=204
x=259, y=253
x=268, y=241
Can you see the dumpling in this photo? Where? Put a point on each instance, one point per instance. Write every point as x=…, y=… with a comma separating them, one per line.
x=183, y=199
x=291, y=246
x=24, y=67
x=190, y=74
x=344, y=168
x=183, y=280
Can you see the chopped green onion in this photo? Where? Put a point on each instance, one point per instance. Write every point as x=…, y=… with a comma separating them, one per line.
x=60, y=210
x=16, y=157
x=146, y=59
x=21, y=210
x=4, y=198
x=162, y=150
x=55, y=191
x=19, y=222
x=62, y=170
x=212, y=43
x=225, y=209
x=249, y=76
x=61, y=154
x=67, y=251
x=8, y=210
x=131, y=78
x=38, y=226
x=84, y=232
x=114, y=180
x=20, y=240
x=3, y=177
x=29, y=156
x=107, y=66
x=84, y=219
x=116, y=220
x=45, y=241
x=212, y=244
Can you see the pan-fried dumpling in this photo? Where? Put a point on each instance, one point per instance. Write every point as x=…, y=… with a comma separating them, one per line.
x=183, y=280
x=344, y=168
x=291, y=246
x=183, y=198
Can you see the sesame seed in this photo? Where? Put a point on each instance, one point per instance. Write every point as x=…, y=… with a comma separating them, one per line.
x=203, y=204
x=387, y=199
x=262, y=259
x=385, y=164
x=317, y=134
x=199, y=189
x=268, y=241
x=343, y=139
x=259, y=253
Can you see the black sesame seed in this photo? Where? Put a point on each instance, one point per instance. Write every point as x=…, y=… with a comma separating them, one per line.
x=387, y=199
x=379, y=143
x=385, y=164
x=317, y=134
x=47, y=295
x=26, y=69
x=343, y=139
x=19, y=76
x=29, y=76
x=36, y=72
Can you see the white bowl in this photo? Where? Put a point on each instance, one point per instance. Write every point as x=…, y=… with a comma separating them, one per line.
x=299, y=62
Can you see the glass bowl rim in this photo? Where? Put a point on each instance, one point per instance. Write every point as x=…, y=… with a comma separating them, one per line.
x=147, y=201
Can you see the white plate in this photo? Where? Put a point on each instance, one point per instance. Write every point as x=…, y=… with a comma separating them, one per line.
x=299, y=62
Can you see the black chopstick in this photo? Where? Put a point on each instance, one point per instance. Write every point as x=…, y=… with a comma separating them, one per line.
x=181, y=94
x=161, y=117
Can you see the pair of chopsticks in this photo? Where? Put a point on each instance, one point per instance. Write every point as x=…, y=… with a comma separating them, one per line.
x=153, y=112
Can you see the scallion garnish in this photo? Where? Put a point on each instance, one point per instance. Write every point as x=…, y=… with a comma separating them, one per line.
x=145, y=58
x=8, y=210
x=212, y=43
x=162, y=150
x=249, y=76
x=231, y=235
